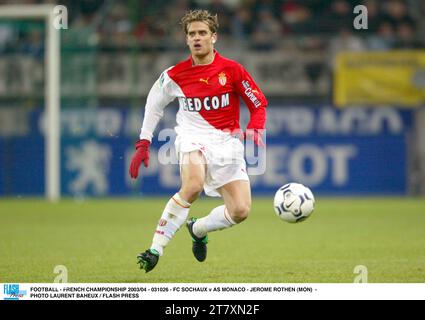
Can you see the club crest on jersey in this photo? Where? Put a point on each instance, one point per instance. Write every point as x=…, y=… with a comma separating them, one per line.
x=205, y=103
x=222, y=78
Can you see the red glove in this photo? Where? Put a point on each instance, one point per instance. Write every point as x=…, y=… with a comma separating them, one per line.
x=141, y=155
x=254, y=135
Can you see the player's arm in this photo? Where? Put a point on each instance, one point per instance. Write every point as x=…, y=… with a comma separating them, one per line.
x=158, y=98
x=255, y=101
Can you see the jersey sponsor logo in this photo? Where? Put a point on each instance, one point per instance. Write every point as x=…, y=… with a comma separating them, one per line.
x=222, y=78
x=206, y=103
x=250, y=93
x=204, y=80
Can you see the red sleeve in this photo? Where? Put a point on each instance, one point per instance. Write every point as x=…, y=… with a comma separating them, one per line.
x=253, y=97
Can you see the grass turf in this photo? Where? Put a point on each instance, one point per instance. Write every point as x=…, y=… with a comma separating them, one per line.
x=98, y=240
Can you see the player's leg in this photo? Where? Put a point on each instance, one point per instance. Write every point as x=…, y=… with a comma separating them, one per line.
x=193, y=171
x=237, y=199
x=177, y=209
x=237, y=204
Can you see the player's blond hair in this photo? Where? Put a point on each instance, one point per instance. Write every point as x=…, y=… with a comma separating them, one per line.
x=200, y=15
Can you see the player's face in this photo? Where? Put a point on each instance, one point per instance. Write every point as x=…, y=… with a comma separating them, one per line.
x=200, y=39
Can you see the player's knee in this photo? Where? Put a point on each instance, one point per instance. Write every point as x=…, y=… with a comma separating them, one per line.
x=240, y=212
x=192, y=190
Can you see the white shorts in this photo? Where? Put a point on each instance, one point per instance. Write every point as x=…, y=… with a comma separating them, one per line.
x=224, y=156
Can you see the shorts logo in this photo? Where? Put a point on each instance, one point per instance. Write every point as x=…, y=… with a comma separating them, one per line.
x=162, y=222
x=222, y=78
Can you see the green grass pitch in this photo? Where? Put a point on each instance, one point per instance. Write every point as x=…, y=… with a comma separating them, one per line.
x=98, y=240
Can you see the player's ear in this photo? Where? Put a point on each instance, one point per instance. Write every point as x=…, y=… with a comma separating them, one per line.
x=214, y=38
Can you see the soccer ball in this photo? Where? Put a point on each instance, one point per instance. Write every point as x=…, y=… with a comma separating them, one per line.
x=293, y=202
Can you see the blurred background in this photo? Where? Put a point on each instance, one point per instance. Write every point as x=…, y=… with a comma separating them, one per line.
x=346, y=113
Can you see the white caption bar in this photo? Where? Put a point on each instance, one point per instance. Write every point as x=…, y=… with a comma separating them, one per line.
x=210, y=291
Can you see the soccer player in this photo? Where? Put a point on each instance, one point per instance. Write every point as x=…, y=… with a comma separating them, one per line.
x=208, y=144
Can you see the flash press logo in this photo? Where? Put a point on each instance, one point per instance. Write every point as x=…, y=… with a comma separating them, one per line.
x=12, y=292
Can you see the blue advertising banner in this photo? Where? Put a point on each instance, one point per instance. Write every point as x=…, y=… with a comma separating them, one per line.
x=334, y=151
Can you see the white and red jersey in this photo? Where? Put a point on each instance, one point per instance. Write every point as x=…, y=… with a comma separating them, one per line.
x=208, y=97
